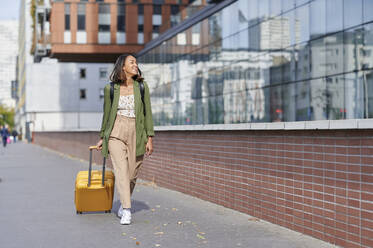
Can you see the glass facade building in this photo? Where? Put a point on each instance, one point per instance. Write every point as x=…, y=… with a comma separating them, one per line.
x=265, y=61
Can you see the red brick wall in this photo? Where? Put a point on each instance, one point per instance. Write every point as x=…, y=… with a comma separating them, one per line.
x=316, y=182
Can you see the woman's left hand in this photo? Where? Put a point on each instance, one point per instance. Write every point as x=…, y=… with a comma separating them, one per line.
x=149, y=146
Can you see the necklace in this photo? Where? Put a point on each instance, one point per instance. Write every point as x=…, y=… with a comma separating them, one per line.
x=125, y=90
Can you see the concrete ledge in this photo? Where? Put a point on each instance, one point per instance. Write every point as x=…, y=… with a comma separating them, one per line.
x=343, y=124
x=365, y=124
x=297, y=125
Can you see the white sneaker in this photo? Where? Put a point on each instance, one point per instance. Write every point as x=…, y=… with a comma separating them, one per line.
x=126, y=217
x=120, y=211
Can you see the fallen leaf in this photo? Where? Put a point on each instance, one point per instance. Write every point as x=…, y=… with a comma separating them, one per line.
x=179, y=222
x=165, y=224
x=124, y=234
x=133, y=238
x=158, y=206
x=253, y=219
x=157, y=245
x=159, y=233
x=200, y=236
x=202, y=233
x=137, y=243
x=174, y=209
x=153, y=210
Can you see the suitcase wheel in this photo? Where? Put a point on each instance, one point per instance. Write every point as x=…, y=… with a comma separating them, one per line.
x=108, y=211
x=79, y=212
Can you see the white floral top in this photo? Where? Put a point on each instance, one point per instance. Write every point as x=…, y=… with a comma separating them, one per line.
x=126, y=106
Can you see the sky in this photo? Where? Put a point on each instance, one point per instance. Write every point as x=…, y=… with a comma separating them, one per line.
x=9, y=9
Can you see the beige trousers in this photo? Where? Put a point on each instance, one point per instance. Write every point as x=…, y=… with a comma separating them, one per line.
x=122, y=148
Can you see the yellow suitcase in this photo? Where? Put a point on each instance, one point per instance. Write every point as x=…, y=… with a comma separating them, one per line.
x=94, y=190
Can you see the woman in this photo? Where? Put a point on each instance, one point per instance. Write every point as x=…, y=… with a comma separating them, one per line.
x=126, y=131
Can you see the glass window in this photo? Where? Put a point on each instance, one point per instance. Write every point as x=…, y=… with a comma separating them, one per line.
x=334, y=54
x=275, y=7
x=140, y=9
x=302, y=24
x=157, y=20
x=334, y=95
x=253, y=12
x=368, y=13
x=157, y=9
x=67, y=16
x=318, y=59
x=230, y=20
x=174, y=9
x=81, y=17
x=355, y=96
x=104, y=18
x=215, y=28
x=287, y=5
x=318, y=18
x=263, y=9
x=334, y=15
x=368, y=86
x=196, y=32
x=301, y=2
x=140, y=38
x=353, y=10
x=367, y=50
x=288, y=101
x=318, y=99
x=289, y=33
x=103, y=73
x=299, y=65
x=82, y=73
x=83, y=94
x=175, y=19
x=121, y=19
x=302, y=101
x=353, y=40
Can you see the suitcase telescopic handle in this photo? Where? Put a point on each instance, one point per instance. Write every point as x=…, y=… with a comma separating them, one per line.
x=90, y=167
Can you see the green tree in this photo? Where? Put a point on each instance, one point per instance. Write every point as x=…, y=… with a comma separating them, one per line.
x=7, y=116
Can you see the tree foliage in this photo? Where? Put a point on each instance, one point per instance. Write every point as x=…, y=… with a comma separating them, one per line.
x=7, y=116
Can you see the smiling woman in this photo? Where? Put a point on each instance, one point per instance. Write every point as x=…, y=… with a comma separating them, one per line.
x=127, y=128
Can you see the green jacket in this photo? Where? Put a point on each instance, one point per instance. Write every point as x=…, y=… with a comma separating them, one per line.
x=144, y=124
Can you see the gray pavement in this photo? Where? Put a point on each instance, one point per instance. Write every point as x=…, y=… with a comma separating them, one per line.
x=37, y=210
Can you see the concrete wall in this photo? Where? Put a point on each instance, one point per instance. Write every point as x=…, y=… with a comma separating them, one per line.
x=319, y=183
x=53, y=95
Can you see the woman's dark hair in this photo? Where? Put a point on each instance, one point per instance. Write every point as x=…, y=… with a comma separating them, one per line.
x=117, y=75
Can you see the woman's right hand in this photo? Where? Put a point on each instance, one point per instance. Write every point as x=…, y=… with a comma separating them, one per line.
x=99, y=145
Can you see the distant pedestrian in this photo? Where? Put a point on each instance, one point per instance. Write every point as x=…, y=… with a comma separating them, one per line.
x=127, y=128
x=14, y=134
x=4, y=134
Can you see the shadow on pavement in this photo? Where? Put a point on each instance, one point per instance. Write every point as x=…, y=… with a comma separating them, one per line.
x=137, y=206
